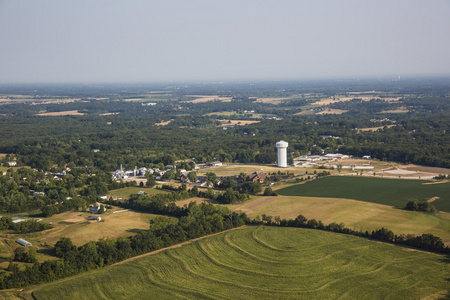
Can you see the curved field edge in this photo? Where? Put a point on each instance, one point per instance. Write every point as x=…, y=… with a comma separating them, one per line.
x=358, y=215
x=267, y=262
x=393, y=192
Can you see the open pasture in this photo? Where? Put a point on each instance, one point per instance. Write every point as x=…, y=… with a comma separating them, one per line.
x=127, y=191
x=61, y=113
x=164, y=123
x=237, y=115
x=357, y=215
x=400, y=110
x=233, y=169
x=206, y=98
x=273, y=100
x=267, y=263
x=76, y=226
x=393, y=192
x=327, y=101
x=419, y=168
x=332, y=111
x=237, y=122
x=124, y=223
x=278, y=100
x=375, y=128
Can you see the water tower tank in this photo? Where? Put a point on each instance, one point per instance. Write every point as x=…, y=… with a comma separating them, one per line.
x=282, y=154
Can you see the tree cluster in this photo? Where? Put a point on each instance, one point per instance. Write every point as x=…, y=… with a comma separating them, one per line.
x=420, y=206
x=25, y=254
x=24, y=226
x=426, y=242
x=195, y=221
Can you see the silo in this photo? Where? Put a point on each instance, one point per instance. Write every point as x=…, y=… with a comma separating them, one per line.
x=282, y=154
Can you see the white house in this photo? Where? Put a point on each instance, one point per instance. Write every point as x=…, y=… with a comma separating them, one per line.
x=94, y=209
x=17, y=220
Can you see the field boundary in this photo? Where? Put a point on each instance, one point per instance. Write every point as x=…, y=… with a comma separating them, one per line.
x=28, y=293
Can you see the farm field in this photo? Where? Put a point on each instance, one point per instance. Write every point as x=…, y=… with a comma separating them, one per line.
x=427, y=169
x=278, y=100
x=62, y=113
x=76, y=226
x=224, y=113
x=335, y=111
x=127, y=191
x=393, y=192
x=327, y=101
x=237, y=122
x=354, y=214
x=233, y=169
x=203, y=98
x=113, y=225
x=375, y=128
x=164, y=123
x=231, y=113
x=267, y=262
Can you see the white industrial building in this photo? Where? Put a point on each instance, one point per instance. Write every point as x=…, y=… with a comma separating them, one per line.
x=282, y=154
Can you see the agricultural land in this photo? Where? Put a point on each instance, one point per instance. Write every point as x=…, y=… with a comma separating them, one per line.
x=172, y=190
x=266, y=262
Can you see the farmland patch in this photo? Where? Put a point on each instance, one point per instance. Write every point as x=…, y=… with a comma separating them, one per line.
x=393, y=192
x=264, y=263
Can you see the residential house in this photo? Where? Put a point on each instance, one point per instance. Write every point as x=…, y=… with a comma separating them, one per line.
x=256, y=177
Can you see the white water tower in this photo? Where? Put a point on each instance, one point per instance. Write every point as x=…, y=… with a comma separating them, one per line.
x=282, y=154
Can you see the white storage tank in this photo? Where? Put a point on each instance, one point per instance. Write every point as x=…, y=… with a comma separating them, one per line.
x=282, y=154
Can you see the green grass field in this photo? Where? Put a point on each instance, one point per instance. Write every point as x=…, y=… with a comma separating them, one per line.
x=127, y=191
x=358, y=215
x=393, y=192
x=74, y=225
x=267, y=263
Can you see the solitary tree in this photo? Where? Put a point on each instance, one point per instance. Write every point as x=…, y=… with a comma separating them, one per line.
x=192, y=176
x=151, y=181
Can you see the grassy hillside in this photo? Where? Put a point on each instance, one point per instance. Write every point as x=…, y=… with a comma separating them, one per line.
x=267, y=262
x=394, y=192
x=127, y=191
x=358, y=215
x=74, y=225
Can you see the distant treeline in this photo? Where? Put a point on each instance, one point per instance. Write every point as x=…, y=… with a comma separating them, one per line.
x=131, y=137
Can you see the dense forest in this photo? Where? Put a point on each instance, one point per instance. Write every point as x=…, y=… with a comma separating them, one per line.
x=44, y=142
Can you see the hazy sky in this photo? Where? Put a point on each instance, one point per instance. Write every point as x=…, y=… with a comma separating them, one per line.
x=149, y=40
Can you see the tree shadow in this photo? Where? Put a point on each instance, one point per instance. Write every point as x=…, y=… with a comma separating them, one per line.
x=135, y=230
x=446, y=260
x=47, y=251
x=36, y=215
x=400, y=207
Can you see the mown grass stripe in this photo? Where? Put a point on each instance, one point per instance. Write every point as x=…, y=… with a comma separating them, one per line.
x=339, y=267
